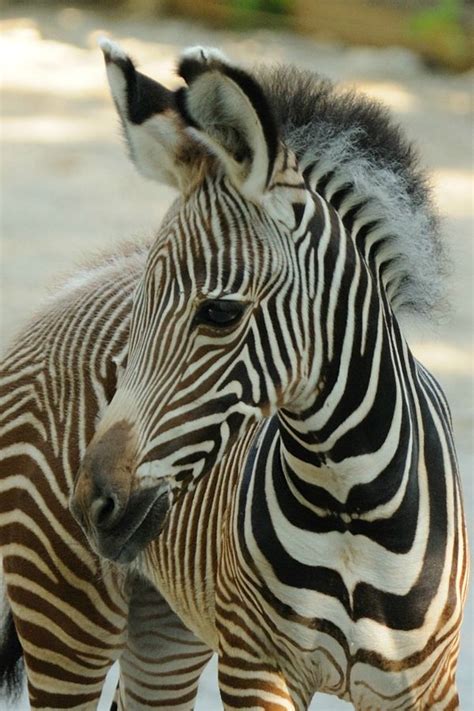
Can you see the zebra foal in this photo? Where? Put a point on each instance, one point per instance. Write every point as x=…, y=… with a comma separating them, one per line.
x=69, y=614
x=272, y=429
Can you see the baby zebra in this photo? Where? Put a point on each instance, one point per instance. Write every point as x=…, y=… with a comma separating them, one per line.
x=271, y=423
x=69, y=614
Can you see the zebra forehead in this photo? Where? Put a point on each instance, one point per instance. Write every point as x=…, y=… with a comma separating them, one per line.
x=217, y=274
x=219, y=234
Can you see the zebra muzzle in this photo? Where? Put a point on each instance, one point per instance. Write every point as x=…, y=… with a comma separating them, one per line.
x=120, y=531
x=119, y=513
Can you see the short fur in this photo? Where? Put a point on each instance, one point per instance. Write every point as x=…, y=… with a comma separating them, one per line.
x=346, y=133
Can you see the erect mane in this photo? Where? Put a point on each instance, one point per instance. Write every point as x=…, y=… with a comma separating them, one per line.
x=346, y=135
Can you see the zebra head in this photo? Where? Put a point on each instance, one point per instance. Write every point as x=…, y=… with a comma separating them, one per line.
x=210, y=340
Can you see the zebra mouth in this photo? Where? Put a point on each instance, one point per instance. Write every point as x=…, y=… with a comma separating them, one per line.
x=141, y=522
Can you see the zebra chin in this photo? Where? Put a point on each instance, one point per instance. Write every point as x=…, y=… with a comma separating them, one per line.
x=140, y=521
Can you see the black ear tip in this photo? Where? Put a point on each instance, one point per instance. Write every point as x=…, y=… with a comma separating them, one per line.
x=197, y=60
x=189, y=68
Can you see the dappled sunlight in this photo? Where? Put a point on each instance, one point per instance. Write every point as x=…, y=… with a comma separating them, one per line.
x=59, y=72
x=56, y=129
x=45, y=64
x=66, y=70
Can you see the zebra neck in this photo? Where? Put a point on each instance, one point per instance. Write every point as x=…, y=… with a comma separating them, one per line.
x=343, y=453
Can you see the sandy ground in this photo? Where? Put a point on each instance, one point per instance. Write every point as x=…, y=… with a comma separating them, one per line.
x=67, y=188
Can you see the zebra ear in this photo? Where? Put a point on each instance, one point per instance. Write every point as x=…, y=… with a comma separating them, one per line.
x=156, y=135
x=228, y=112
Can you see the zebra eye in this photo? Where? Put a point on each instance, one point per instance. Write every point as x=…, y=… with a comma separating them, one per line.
x=220, y=312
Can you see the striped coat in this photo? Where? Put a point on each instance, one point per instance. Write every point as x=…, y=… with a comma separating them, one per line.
x=69, y=613
x=274, y=458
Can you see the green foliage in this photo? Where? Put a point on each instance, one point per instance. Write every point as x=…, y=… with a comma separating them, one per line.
x=442, y=24
x=279, y=7
x=444, y=13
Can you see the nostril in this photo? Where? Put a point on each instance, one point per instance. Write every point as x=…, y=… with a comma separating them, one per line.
x=104, y=511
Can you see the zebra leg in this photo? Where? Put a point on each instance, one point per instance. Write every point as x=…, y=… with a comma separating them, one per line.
x=70, y=634
x=163, y=660
x=248, y=682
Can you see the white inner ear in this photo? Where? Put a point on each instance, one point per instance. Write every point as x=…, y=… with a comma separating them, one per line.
x=118, y=86
x=229, y=121
x=154, y=145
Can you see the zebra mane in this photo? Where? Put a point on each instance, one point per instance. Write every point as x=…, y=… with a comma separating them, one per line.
x=354, y=139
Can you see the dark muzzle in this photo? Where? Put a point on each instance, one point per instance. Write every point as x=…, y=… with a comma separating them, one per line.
x=118, y=520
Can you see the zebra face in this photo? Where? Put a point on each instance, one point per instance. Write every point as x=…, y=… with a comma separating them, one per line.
x=208, y=347
x=208, y=353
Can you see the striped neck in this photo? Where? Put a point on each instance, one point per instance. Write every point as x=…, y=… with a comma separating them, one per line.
x=342, y=450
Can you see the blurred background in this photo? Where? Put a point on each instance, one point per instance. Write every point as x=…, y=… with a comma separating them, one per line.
x=67, y=189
